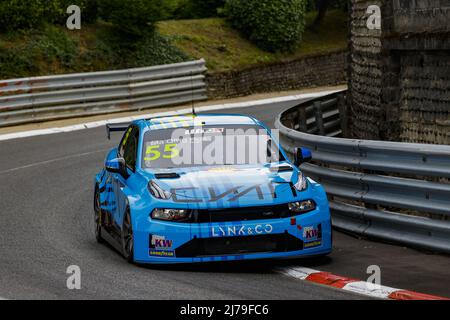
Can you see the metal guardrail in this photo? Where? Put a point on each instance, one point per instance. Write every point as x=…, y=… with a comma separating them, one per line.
x=63, y=96
x=319, y=117
x=377, y=189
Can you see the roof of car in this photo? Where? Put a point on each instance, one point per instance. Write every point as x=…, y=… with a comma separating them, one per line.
x=203, y=119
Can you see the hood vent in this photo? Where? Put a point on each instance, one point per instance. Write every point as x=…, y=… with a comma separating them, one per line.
x=281, y=169
x=169, y=175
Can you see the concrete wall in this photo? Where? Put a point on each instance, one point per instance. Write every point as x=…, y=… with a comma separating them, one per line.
x=400, y=75
x=323, y=70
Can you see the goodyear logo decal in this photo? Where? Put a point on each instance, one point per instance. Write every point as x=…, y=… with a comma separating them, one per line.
x=162, y=253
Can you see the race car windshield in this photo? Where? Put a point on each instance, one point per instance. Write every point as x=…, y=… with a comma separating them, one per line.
x=208, y=146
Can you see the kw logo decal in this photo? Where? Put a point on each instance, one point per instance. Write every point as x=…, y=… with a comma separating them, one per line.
x=160, y=242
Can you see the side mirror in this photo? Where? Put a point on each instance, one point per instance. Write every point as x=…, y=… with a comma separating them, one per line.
x=302, y=155
x=116, y=165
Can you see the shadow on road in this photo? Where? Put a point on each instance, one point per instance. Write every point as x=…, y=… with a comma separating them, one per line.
x=254, y=266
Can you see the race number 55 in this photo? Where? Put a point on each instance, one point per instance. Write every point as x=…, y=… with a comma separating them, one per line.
x=153, y=152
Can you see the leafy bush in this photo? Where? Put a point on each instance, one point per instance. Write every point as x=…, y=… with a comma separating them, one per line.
x=192, y=9
x=342, y=4
x=150, y=49
x=31, y=14
x=310, y=5
x=205, y=8
x=89, y=10
x=19, y=14
x=50, y=49
x=55, y=50
x=55, y=45
x=133, y=18
x=273, y=25
x=337, y=4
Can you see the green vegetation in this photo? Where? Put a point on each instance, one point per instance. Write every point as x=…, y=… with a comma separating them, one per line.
x=31, y=14
x=273, y=25
x=225, y=49
x=55, y=50
x=192, y=9
x=119, y=34
x=132, y=18
x=115, y=34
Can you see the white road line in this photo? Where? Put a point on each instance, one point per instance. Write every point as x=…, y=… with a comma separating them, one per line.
x=51, y=161
x=95, y=124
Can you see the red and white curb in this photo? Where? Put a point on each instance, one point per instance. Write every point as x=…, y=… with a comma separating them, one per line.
x=355, y=285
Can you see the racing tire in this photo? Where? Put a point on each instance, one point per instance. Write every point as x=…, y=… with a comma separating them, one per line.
x=127, y=237
x=98, y=216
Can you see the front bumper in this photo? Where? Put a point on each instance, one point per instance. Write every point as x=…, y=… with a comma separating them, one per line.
x=166, y=242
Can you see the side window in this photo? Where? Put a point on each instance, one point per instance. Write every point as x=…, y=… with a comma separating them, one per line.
x=128, y=147
x=124, y=141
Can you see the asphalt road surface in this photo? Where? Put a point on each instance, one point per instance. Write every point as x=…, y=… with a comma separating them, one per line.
x=46, y=195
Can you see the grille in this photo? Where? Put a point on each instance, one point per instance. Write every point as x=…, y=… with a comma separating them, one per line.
x=204, y=247
x=242, y=214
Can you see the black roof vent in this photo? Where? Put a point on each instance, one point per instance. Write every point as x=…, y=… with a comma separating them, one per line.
x=169, y=175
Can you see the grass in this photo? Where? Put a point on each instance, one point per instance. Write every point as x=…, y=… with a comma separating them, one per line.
x=224, y=48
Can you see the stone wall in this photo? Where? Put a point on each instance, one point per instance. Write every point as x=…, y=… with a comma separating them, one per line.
x=400, y=75
x=322, y=70
x=366, y=74
x=425, y=97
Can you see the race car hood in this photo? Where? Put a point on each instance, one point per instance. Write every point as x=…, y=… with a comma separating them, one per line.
x=229, y=185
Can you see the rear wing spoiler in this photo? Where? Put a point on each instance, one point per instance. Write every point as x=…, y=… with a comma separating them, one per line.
x=121, y=127
x=116, y=127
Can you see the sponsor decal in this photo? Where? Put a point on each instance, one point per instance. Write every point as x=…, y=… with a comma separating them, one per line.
x=204, y=131
x=236, y=231
x=162, y=253
x=233, y=194
x=312, y=232
x=160, y=242
x=312, y=244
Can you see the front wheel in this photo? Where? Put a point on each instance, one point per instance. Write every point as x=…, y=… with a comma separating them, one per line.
x=127, y=238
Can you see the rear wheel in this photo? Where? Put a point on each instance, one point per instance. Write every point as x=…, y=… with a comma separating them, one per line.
x=127, y=238
x=97, y=216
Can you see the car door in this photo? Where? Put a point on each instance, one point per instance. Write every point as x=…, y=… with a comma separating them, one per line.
x=128, y=151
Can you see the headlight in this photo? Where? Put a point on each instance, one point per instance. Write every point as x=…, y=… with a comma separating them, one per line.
x=302, y=183
x=302, y=206
x=170, y=214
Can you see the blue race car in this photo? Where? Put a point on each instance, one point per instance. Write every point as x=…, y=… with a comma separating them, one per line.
x=204, y=188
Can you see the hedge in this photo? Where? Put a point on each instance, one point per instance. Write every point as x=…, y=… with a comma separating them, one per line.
x=32, y=14
x=273, y=25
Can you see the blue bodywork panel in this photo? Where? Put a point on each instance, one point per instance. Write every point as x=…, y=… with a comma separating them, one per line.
x=246, y=206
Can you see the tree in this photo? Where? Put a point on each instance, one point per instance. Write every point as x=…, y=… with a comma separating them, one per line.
x=132, y=18
x=322, y=7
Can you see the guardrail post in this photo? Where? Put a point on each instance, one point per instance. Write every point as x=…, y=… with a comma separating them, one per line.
x=343, y=115
x=302, y=120
x=319, y=117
